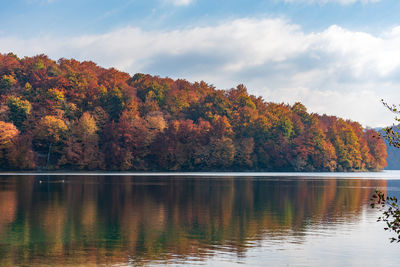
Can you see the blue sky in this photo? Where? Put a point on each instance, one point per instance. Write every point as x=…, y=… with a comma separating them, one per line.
x=31, y=17
x=338, y=57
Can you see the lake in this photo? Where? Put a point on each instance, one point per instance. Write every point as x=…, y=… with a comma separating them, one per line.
x=211, y=219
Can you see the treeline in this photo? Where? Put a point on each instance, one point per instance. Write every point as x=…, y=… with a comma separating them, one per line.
x=77, y=115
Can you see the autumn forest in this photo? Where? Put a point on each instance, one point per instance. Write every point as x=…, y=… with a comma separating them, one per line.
x=70, y=115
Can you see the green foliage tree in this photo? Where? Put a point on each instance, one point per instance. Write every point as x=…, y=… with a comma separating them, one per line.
x=6, y=82
x=19, y=110
x=112, y=101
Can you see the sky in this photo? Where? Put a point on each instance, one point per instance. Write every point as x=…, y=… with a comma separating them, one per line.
x=338, y=57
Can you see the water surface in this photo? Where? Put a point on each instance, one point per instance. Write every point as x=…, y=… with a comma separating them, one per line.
x=211, y=219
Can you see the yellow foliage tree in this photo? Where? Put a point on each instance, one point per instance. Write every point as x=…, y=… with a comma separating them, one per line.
x=8, y=132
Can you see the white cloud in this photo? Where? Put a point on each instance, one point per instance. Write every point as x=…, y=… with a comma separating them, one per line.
x=180, y=2
x=335, y=71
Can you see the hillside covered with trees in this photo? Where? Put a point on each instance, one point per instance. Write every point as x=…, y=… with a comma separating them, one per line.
x=78, y=116
x=393, y=153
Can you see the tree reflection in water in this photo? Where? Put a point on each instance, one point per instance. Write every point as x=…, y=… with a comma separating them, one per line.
x=137, y=220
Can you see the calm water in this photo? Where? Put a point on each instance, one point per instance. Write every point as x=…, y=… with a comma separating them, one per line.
x=214, y=220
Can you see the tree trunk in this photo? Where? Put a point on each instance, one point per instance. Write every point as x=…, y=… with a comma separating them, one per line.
x=48, y=155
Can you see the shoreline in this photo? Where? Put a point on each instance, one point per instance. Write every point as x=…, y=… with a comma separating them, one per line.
x=358, y=175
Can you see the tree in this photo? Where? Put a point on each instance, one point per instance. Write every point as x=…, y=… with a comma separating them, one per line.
x=113, y=102
x=20, y=155
x=126, y=142
x=83, y=144
x=388, y=205
x=390, y=213
x=8, y=135
x=50, y=136
x=19, y=110
x=392, y=133
x=6, y=83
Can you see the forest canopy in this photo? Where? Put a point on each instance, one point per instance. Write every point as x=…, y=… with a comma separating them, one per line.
x=75, y=115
